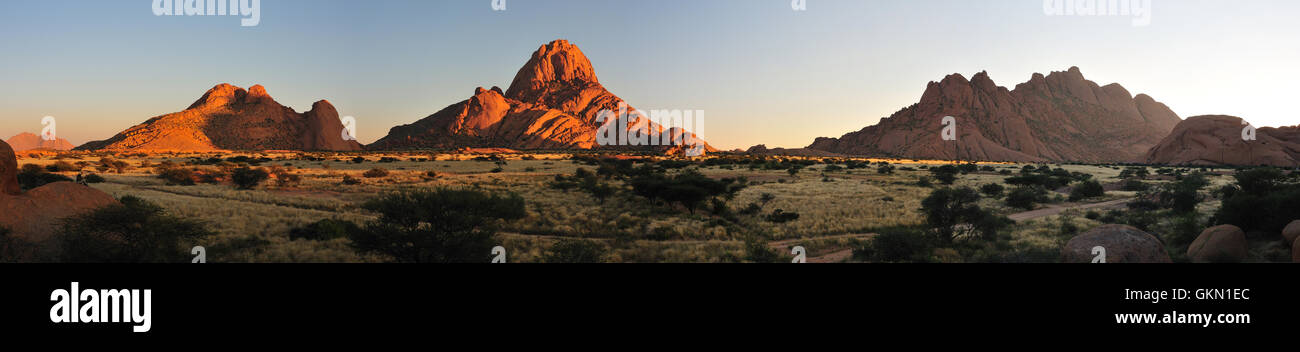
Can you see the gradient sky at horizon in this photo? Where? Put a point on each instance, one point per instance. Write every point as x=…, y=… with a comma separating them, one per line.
x=764, y=74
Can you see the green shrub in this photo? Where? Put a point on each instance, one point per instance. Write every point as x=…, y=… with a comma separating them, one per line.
x=93, y=178
x=117, y=166
x=1185, y=229
x=324, y=230
x=1134, y=185
x=375, y=173
x=885, y=169
x=780, y=216
x=437, y=226
x=946, y=174
x=1040, y=180
x=246, y=178
x=575, y=251
x=688, y=188
x=1086, y=190
x=1026, y=197
x=896, y=245
x=135, y=231
x=924, y=181
x=1262, y=199
x=1135, y=171
x=177, y=176
x=31, y=176
x=1181, y=196
x=62, y=166
x=992, y=190
x=757, y=251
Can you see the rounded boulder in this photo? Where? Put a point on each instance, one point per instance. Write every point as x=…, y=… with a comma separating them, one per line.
x=1119, y=244
x=1219, y=244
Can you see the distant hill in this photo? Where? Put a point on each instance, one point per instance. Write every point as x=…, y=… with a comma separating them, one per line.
x=1217, y=140
x=231, y=118
x=27, y=141
x=1058, y=117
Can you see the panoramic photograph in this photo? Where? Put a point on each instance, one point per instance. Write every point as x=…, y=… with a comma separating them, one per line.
x=438, y=170
x=692, y=132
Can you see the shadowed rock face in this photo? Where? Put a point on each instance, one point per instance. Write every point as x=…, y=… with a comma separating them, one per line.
x=1217, y=140
x=231, y=118
x=27, y=141
x=554, y=102
x=1058, y=117
x=34, y=217
x=9, y=171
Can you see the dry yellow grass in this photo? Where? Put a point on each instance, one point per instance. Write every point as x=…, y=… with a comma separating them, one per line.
x=253, y=225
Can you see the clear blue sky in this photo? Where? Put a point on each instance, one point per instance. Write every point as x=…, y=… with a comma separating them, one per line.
x=762, y=72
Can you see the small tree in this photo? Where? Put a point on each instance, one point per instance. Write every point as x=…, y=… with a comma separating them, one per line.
x=437, y=226
x=992, y=190
x=1184, y=195
x=953, y=213
x=135, y=231
x=946, y=174
x=1025, y=197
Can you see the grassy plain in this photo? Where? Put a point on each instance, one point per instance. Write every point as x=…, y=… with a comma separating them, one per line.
x=839, y=209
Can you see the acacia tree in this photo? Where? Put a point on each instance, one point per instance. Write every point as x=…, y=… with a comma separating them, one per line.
x=437, y=226
x=134, y=231
x=953, y=213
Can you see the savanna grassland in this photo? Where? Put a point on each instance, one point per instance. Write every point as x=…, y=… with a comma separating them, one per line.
x=588, y=204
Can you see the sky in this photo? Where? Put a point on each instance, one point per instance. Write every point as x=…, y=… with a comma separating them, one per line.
x=763, y=72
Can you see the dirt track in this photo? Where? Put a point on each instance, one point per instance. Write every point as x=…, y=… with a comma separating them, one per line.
x=1053, y=210
x=833, y=257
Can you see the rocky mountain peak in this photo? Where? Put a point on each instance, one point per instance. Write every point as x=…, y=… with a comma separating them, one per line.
x=556, y=63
